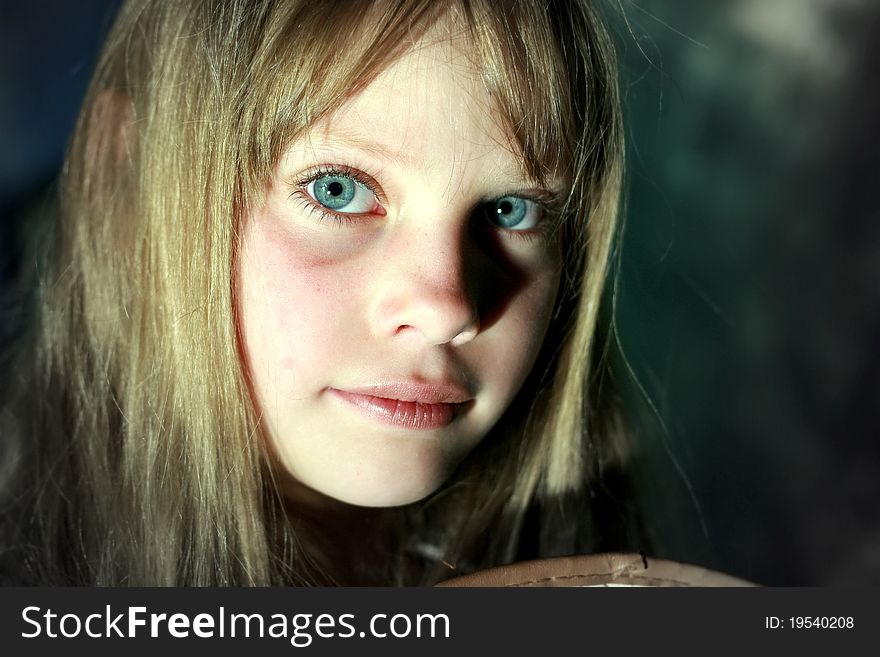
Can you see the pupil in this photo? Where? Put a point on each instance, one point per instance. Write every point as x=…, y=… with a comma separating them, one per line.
x=335, y=188
x=505, y=207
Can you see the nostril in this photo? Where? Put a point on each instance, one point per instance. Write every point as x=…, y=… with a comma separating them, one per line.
x=465, y=335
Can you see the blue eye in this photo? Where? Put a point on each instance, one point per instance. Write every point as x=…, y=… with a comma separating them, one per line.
x=342, y=194
x=513, y=213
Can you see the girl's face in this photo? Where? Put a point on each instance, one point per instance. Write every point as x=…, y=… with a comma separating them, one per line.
x=395, y=284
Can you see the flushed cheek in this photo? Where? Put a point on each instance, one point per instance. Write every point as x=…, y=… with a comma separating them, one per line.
x=300, y=298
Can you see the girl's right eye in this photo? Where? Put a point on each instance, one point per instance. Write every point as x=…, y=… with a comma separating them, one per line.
x=341, y=193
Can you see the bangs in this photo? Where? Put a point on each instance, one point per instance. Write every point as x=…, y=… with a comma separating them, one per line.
x=518, y=53
x=315, y=57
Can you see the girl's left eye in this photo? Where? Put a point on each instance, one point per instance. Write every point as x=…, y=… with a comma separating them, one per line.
x=342, y=194
x=513, y=213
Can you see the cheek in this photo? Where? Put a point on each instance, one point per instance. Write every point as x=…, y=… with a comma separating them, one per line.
x=513, y=343
x=296, y=305
x=532, y=312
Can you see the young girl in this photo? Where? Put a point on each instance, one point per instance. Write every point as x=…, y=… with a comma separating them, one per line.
x=321, y=306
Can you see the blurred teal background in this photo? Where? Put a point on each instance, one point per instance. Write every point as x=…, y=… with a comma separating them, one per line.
x=749, y=301
x=748, y=304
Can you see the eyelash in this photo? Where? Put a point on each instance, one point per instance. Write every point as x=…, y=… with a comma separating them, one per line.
x=323, y=213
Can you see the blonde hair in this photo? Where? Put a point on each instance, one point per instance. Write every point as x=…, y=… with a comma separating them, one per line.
x=153, y=467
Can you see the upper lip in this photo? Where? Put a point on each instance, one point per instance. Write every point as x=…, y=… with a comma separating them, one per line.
x=411, y=390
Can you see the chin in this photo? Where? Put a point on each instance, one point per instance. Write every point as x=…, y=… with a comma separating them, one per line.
x=384, y=486
x=383, y=475
x=390, y=495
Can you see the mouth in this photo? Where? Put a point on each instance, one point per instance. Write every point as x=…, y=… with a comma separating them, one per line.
x=414, y=406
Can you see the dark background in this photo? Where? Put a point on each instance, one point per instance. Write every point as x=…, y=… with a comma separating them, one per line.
x=749, y=298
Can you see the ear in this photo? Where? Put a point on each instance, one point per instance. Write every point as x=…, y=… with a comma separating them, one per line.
x=110, y=127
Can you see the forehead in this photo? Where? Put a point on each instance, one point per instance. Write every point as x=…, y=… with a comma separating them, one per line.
x=428, y=108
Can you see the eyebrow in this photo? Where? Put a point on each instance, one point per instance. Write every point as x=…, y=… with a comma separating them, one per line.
x=340, y=139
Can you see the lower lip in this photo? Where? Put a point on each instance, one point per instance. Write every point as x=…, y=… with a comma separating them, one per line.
x=398, y=413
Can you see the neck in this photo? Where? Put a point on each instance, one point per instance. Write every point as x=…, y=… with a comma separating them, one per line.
x=349, y=545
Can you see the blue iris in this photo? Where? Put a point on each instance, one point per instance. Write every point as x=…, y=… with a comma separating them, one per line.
x=508, y=211
x=334, y=192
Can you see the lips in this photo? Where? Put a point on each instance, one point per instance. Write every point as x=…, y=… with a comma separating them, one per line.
x=408, y=405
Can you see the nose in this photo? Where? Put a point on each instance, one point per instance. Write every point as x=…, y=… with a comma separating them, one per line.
x=427, y=291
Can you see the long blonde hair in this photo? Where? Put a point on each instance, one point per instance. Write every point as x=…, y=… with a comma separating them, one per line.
x=150, y=463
